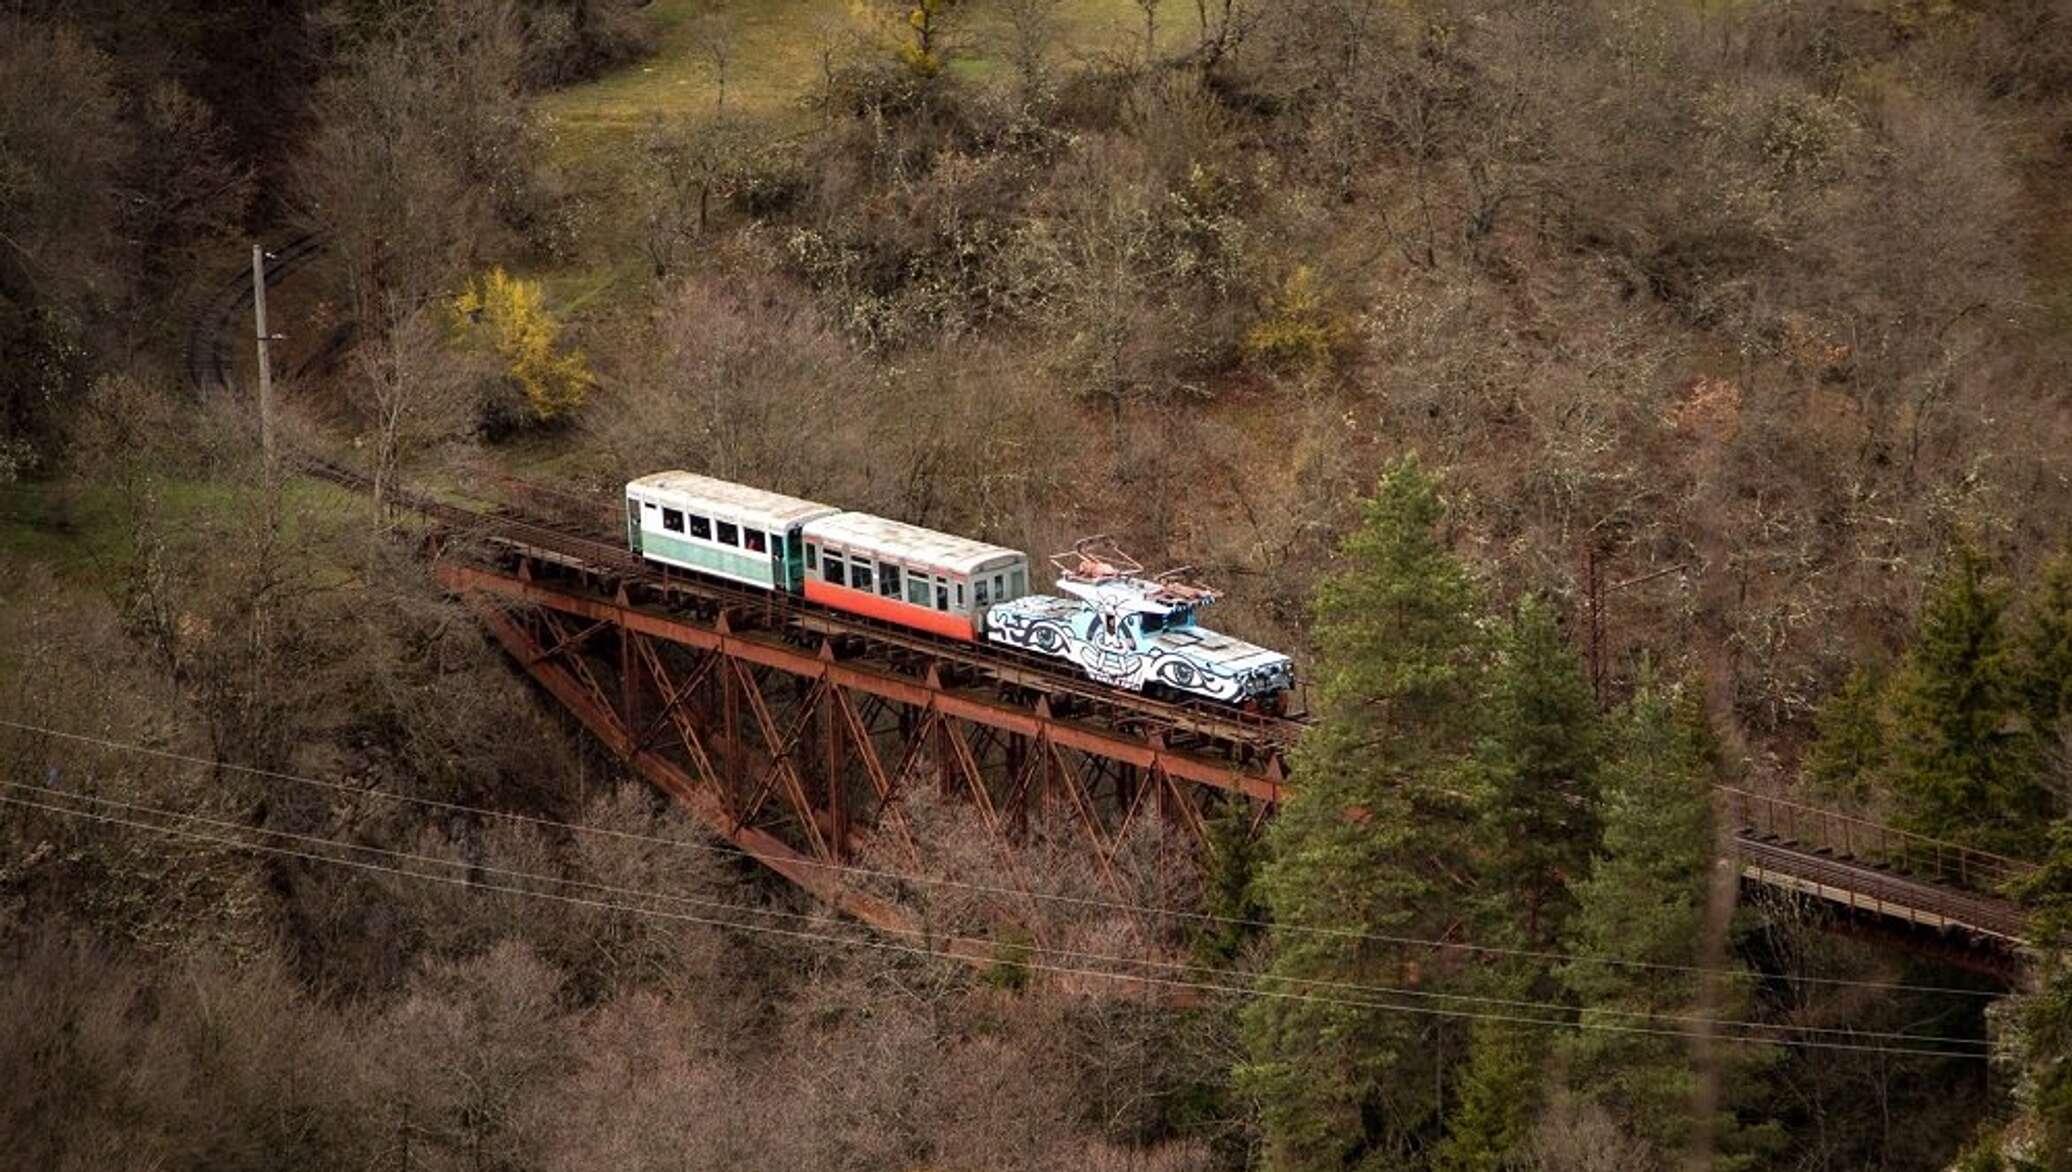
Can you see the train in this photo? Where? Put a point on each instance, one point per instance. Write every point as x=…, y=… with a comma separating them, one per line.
x=1120, y=626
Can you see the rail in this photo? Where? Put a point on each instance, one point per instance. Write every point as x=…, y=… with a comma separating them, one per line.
x=208, y=356
x=1851, y=861
x=1010, y=666
x=1867, y=888
x=1780, y=821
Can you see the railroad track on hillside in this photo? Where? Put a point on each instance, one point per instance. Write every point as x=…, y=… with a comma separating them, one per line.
x=209, y=357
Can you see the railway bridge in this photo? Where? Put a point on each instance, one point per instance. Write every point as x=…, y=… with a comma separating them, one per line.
x=795, y=731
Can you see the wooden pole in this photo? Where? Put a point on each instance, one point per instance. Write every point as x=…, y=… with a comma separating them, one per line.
x=265, y=364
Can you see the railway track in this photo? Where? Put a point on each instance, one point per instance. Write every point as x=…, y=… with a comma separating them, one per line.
x=575, y=543
x=565, y=545
x=548, y=524
x=1864, y=886
x=209, y=351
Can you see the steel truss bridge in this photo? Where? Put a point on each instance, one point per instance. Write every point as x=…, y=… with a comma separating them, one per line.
x=795, y=731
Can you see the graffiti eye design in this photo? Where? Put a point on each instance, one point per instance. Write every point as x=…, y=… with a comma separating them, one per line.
x=1178, y=673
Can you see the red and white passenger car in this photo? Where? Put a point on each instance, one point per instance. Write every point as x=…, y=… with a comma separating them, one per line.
x=908, y=575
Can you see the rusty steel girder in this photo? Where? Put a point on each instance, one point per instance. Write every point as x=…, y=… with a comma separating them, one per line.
x=798, y=749
x=799, y=753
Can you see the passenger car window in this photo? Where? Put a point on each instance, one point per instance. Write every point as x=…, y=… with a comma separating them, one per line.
x=672, y=520
x=860, y=574
x=942, y=596
x=960, y=596
x=917, y=589
x=812, y=556
x=753, y=539
x=728, y=534
x=888, y=581
x=1020, y=582
x=979, y=591
x=831, y=568
x=701, y=527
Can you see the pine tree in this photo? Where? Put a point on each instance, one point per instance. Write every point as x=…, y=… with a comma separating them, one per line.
x=1850, y=753
x=1533, y=781
x=1644, y=901
x=2046, y=665
x=2046, y=1015
x=1230, y=886
x=1366, y=843
x=1535, y=777
x=1963, y=767
x=1503, y=1087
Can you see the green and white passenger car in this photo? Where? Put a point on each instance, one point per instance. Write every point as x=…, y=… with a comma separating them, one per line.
x=716, y=527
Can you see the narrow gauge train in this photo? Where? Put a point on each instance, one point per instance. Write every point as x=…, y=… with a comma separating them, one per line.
x=1120, y=627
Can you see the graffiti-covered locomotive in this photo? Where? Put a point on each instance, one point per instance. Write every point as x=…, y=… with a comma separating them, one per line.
x=1118, y=625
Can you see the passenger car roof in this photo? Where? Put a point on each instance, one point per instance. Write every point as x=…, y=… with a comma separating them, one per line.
x=884, y=537
x=771, y=510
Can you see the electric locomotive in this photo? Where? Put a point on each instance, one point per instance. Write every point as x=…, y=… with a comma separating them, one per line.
x=1119, y=626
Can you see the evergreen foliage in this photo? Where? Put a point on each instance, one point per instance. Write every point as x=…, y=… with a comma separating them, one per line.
x=1964, y=766
x=1501, y=1091
x=2046, y=661
x=1230, y=886
x=1644, y=901
x=1535, y=777
x=1850, y=751
x=1369, y=841
x=2047, y=1015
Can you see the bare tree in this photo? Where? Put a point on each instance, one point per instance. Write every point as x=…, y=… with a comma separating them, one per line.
x=1030, y=36
x=416, y=389
x=422, y=153
x=1150, y=10
x=714, y=41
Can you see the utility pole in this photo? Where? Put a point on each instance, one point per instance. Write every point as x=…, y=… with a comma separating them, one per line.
x=265, y=364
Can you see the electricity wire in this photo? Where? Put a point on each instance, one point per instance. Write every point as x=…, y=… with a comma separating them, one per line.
x=1032, y=965
x=1279, y=926
x=1072, y=954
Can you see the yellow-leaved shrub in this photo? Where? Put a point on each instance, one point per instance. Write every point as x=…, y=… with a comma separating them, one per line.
x=513, y=314
x=1297, y=331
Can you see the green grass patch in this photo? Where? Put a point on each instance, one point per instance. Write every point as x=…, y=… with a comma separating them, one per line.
x=774, y=62
x=78, y=531
x=773, y=51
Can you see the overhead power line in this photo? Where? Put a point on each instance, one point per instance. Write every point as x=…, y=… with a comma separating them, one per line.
x=1066, y=953
x=814, y=937
x=1277, y=926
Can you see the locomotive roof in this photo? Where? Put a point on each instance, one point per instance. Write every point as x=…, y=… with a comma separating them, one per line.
x=772, y=510
x=884, y=536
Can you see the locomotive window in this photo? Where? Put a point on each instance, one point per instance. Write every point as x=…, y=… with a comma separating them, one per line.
x=812, y=556
x=980, y=591
x=888, y=581
x=917, y=589
x=701, y=527
x=672, y=520
x=860, y=574
x=753, y=539
x=728, y=534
